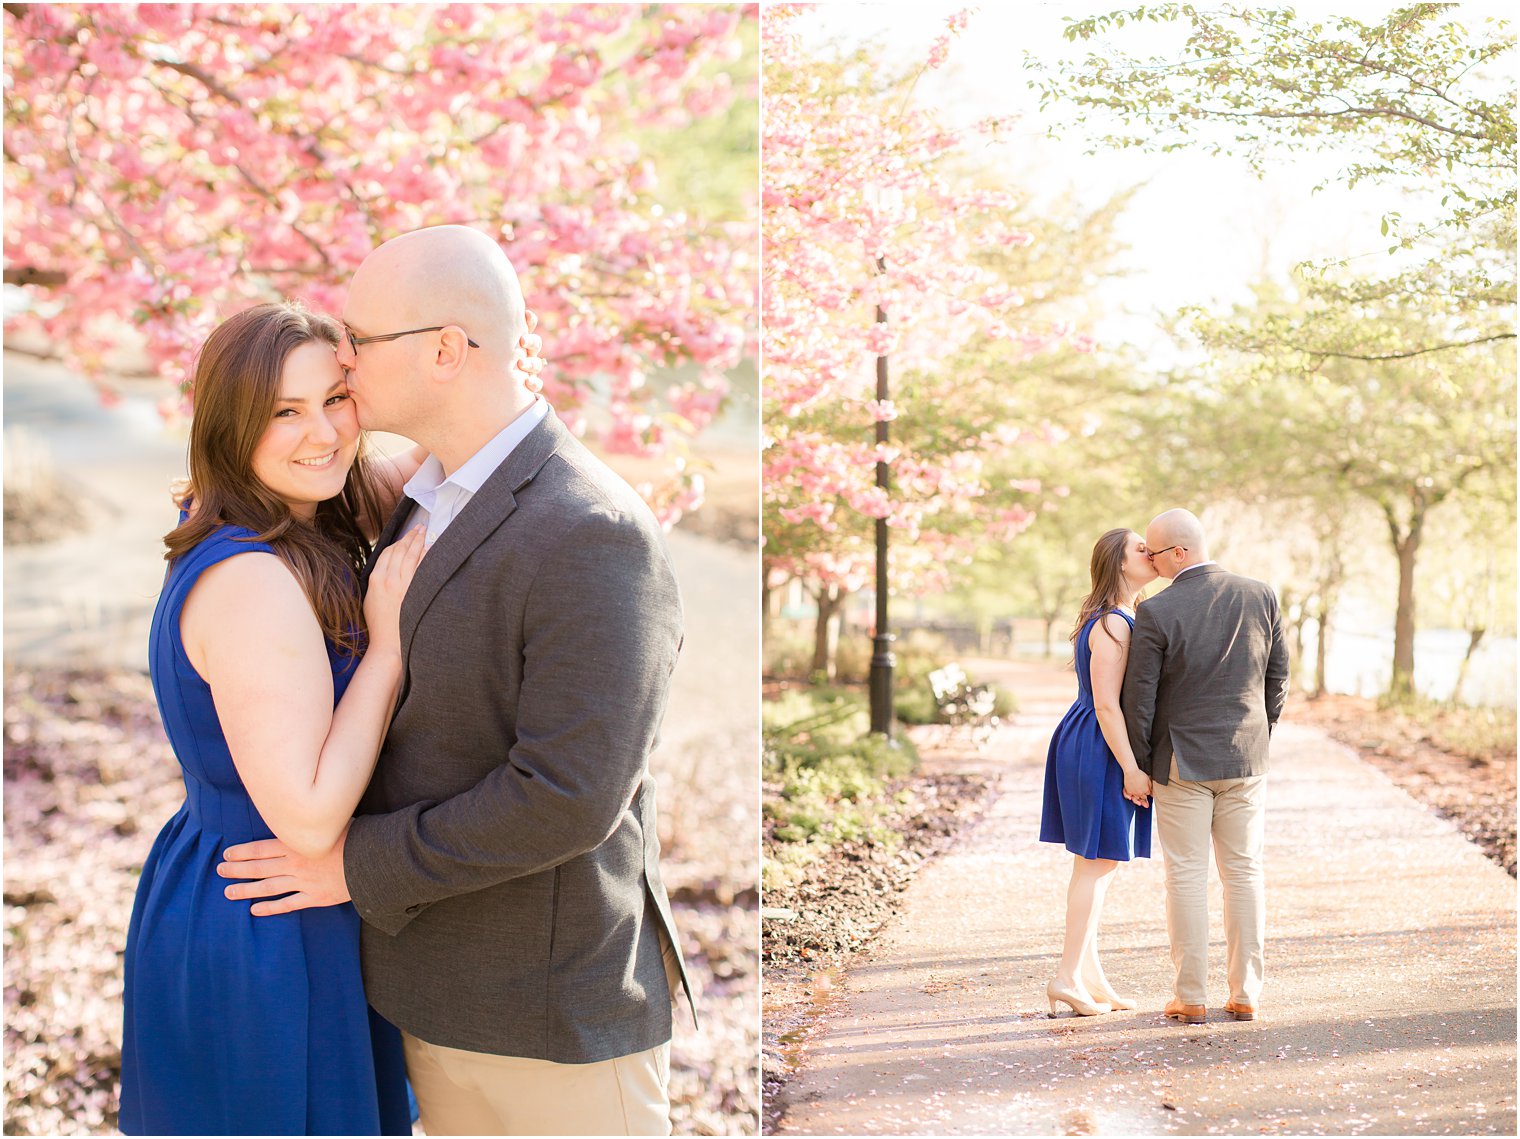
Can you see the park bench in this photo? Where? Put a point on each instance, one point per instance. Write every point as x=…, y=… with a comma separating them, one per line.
x=960, y=703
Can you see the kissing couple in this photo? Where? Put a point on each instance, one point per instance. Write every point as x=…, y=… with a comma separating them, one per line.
x=1177, y=698
x=483, y=688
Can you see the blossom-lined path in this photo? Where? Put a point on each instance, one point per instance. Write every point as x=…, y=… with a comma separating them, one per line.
x=1389, y=1005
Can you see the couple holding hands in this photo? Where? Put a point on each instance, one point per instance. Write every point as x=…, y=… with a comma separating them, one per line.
x=1177, y=698
x=424, y=770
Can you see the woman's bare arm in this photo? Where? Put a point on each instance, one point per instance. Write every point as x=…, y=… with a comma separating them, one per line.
x=250, y=632
x=1109, y=655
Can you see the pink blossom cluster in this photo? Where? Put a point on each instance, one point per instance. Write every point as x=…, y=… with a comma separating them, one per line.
x=866, y=202
x=177, y=162
x=939, y=51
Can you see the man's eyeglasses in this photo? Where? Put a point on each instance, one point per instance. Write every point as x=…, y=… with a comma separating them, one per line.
x=1169, y=549
x=355, y=341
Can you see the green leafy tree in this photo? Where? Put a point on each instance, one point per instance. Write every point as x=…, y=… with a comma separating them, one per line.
x=1312, y=548
x=1404, y=434
x=1090, y=484
x=1421, y=100
x=1473, y=588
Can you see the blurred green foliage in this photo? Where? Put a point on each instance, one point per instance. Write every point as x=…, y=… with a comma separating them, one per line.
x=827, y=779
x=789, y=648
x=711, y=168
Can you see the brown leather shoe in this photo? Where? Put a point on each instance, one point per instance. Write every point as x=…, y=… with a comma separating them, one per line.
x=1239, y=1009
x=1188, y=1014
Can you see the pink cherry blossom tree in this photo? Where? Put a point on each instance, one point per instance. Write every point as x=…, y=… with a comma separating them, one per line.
x=870, y=200
x=168, y=164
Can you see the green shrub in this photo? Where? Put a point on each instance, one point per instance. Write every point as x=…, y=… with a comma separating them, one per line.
x=852, y=657
x=788, y=652
x=811, y=721
x=919, y=654
x=915, y=704
x=827, y=773
x=783, y=864
x=788, y=648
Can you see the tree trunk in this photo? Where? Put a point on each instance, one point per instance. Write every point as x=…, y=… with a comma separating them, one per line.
x=1050, y=624
x=1321, y=646
x=1327, y=587
x=826, y=632
x=1473, y=637
x=1296, y=665
x=1288, y=607
x=765, y=604
x=1406, y=546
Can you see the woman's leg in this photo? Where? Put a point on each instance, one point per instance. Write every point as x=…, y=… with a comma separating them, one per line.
x=1089, y=969
x=1084, y=902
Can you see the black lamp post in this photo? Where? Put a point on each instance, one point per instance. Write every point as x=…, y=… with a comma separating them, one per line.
x=882, y=658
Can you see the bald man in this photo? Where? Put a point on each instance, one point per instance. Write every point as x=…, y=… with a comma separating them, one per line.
x=505, y=858
x=1206, y=680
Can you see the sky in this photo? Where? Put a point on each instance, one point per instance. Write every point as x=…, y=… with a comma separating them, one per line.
x=1202, y=228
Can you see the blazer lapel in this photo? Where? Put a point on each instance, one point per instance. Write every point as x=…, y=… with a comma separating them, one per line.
x=487, y=509
x=387, y=536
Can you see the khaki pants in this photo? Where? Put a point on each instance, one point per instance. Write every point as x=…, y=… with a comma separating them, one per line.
x=476, y=1093
x=1230, y=813
x=473, y=1093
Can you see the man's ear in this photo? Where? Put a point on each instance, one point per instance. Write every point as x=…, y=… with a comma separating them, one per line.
x=453, y=346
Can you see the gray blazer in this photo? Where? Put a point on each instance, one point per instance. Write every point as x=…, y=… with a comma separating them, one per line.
x=1207, y=677
x=505, y=860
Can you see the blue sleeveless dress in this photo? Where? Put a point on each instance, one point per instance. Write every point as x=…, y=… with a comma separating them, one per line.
x=1085, y=807
x=237, y=1025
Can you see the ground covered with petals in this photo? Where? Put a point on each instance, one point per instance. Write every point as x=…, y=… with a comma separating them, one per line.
x=1458, y=761
x=89, y=778
x=830, y=912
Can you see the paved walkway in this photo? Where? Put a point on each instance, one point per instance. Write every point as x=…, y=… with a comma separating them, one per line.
x=87, y=598
x=1389, y=1007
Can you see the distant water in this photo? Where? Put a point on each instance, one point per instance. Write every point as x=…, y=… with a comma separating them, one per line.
x=1361, y=664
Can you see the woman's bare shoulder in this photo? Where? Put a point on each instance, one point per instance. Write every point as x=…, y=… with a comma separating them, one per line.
x=253, y=586
x=1114, y=625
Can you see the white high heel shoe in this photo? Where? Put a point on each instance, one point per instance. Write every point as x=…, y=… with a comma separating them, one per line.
x=1079, y=1004
x=1115, y=1001
x=1103, y=991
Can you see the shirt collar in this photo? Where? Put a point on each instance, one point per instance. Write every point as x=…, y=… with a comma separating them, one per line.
x=422, y=488
x=1200, y=565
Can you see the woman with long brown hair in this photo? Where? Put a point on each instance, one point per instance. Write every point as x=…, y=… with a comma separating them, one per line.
x=1097, y=800
x=275, y=684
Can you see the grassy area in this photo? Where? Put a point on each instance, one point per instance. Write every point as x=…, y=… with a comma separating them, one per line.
x=827, y=780
x=1485, y=734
